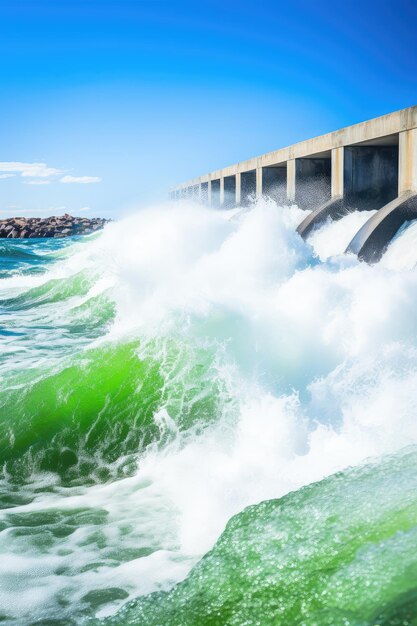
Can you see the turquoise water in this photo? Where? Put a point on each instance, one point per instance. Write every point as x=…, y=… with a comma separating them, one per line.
x=206, y=420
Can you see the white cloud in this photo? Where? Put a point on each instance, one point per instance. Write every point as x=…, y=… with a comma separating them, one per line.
x=41, y=173
x=35, y=170
x=84, y=180
x=85, y=208
x=37, y=182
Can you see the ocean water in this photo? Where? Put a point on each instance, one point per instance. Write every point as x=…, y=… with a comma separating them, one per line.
x=205, y=420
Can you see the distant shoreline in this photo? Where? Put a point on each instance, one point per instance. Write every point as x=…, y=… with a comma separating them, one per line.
x=53, y=227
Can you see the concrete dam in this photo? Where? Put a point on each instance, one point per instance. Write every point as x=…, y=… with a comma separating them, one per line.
x=368, y=166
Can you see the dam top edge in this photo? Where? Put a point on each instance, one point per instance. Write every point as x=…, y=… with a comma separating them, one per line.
x=375, y=128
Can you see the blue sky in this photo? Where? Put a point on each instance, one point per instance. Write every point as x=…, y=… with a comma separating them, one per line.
x=122, y=99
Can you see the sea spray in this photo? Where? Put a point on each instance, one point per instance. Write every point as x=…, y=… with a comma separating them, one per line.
x=334, y=237
x=163, y=376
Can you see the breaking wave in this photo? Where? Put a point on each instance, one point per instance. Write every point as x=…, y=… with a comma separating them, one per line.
x=157, y=380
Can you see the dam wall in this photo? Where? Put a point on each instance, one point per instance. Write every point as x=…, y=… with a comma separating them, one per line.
x=367, y=166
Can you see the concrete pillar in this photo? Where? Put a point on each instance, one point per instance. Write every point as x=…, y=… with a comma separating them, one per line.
x=200, y=194
x=221, y=202
x=209, y=193
x=238, y=188
x=337, y=172
x=259, y=182
x=407, y=161
x=291, y=179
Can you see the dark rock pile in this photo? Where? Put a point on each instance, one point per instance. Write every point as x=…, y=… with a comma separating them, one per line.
x=62, y=226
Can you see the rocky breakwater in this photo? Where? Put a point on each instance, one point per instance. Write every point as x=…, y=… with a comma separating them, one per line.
x=61, y=226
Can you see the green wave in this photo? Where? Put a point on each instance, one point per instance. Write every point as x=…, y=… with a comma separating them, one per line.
x=91, y=318
x=52, y=291
x=339, y=552
x=85, y=421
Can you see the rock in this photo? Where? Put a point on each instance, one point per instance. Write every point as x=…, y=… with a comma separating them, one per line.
x=54, y=226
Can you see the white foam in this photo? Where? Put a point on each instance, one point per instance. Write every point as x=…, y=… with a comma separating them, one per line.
x=318, y=358
x=334, y=236
x=402, y=251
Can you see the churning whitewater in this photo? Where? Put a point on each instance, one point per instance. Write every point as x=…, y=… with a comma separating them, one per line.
x=205, y=420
